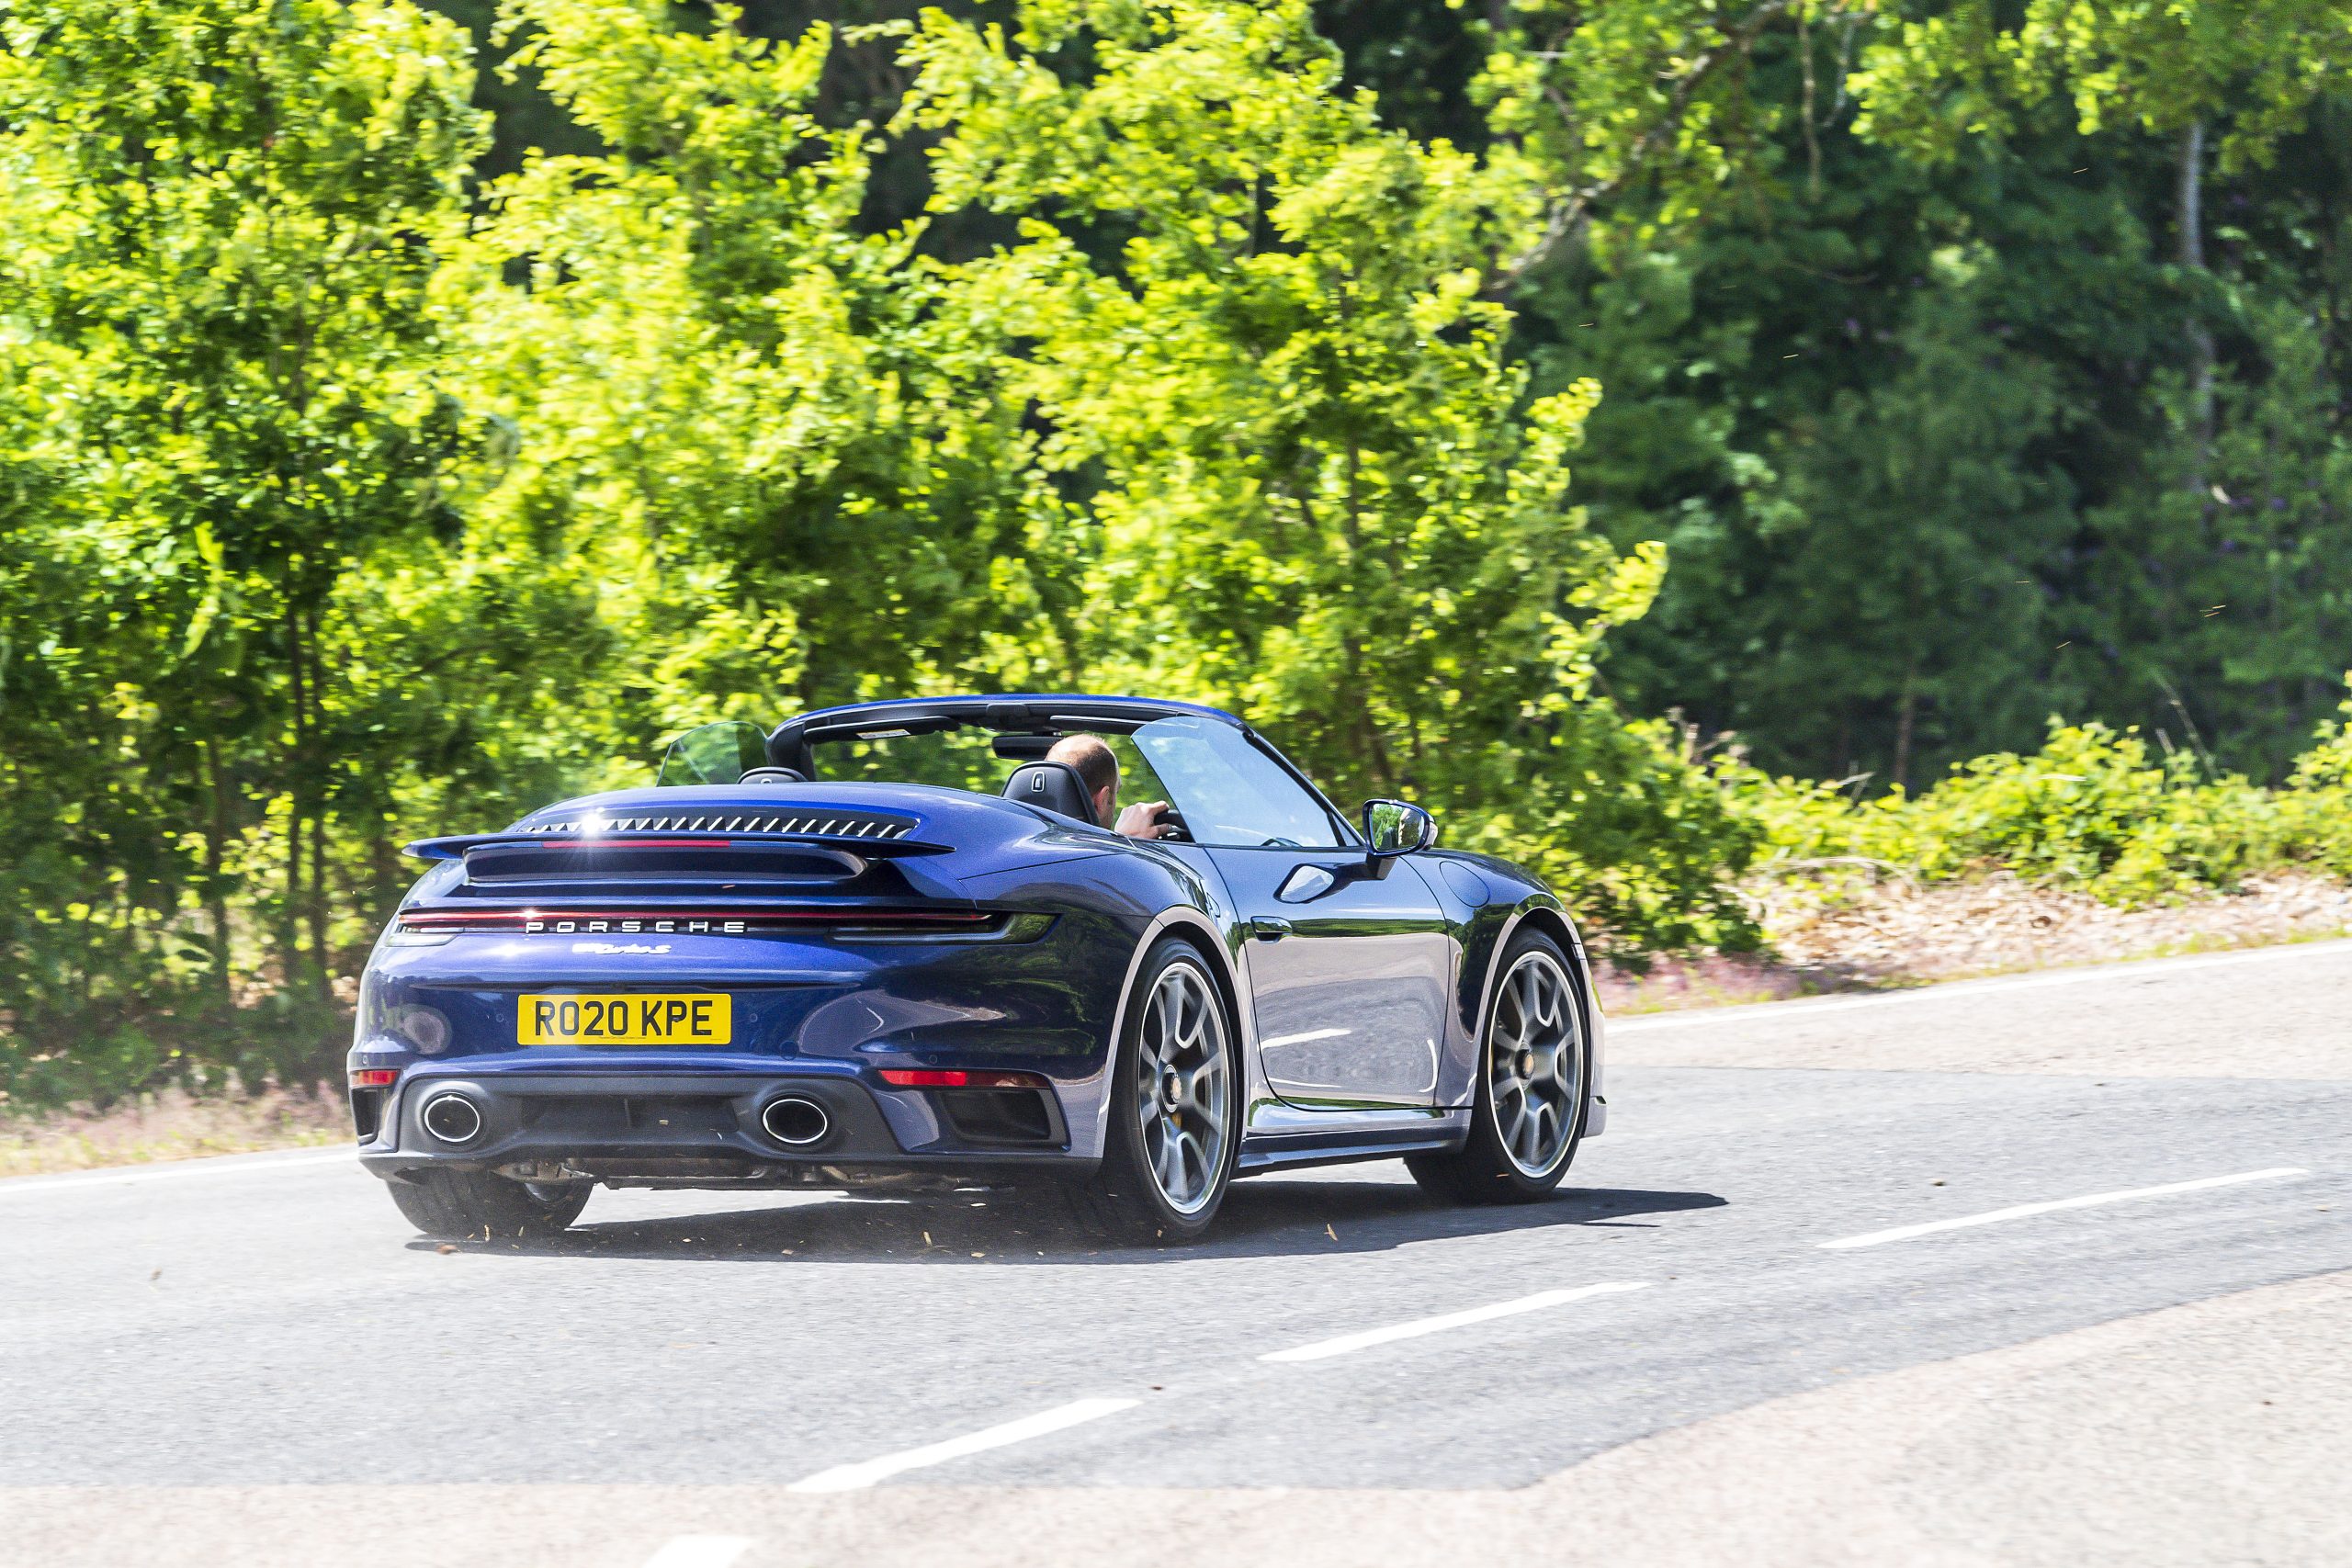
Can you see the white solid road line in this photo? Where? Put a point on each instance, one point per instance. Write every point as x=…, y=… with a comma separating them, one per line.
x=1699, y=1018
x=1995, y=1217
x=1419, y=1326
x=219, y=1165
x=700, y=1551
x=855, y=1477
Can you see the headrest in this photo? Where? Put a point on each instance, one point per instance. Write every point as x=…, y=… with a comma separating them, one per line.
x=1052, y=785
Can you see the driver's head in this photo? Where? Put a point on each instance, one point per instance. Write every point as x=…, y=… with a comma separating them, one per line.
x=1096, y=768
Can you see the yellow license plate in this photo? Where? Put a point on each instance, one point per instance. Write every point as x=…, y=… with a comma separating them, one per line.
x=639, y=1018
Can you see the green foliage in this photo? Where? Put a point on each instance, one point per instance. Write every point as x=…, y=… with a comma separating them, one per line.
x=1317, y=491
x=2160, y=64
x=222, y=221
x=1940, y=445
x=780, y=440
x=2094, y=809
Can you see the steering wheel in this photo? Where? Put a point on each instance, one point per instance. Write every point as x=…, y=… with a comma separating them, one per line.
x=1172, y=829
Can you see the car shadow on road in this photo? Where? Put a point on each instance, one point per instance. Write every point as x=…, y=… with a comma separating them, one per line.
x=1268, y=1217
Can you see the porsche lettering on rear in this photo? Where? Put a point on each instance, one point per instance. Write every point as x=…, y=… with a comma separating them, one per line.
x=632, y=928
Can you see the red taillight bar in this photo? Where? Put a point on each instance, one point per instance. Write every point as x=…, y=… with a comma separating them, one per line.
x=928, y=1078
x=620, y=841
x=844, y=915
x=375, y=1077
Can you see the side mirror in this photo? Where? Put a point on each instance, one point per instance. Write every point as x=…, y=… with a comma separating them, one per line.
x=715, y=754
x=1396, y=827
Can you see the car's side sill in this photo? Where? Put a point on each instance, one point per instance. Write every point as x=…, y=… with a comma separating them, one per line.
x=1410, y=1132
x=1265, y=1161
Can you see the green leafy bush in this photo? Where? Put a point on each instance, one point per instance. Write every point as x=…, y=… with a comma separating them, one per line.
x=2093, y=810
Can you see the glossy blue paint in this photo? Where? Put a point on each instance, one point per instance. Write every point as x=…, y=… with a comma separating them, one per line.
x=865, y=927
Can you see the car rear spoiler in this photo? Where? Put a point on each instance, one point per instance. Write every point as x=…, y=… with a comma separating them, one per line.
x=862, y=843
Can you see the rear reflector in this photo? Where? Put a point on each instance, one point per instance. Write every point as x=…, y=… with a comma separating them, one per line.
x=375, y=1077
x=906, y=1078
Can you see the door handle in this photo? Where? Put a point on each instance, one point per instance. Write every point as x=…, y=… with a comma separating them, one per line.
x=1268, y=928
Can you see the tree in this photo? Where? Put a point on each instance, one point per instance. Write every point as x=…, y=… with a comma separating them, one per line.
x=773, y=431
x=1256, y=326
x=224, y=217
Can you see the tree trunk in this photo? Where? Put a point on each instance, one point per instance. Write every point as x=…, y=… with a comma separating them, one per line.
x=1904, y=716
x=216, y=840
x=318, y=909
x=289, y=920
x=2191, y=218
x=313, y=769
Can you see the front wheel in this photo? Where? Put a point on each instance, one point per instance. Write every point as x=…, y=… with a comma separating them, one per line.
x=468, y=1205
x=1532, y=1068
x=1168, y=1154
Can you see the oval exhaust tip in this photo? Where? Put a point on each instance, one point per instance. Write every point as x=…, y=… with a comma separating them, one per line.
x=452, y=1118
x=795, y=1123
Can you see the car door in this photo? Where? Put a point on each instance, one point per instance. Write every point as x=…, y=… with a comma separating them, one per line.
x=1350, y=968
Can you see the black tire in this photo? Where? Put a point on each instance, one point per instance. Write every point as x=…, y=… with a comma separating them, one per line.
x=1125, y=1199
x=1486, y=1169
x=468, y=1205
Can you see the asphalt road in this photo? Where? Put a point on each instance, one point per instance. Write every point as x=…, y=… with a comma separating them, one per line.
x=254, y=1361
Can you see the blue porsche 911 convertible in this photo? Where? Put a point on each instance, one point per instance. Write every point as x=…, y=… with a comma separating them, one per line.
x=921, y=944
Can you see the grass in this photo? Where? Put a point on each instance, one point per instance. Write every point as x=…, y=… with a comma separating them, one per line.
x=170, y=1125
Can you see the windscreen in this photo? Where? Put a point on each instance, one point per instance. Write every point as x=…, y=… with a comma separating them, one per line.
x=714, y=754
x=1230, y=791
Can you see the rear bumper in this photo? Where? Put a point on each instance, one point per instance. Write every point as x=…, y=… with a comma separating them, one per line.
x=706, y=1128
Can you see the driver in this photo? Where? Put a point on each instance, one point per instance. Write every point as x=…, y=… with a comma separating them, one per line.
x=1098, y=772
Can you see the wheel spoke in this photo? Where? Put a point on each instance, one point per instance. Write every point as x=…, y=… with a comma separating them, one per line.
x=1194, y=1162
x=1166, y=1000
x=1203, y=1090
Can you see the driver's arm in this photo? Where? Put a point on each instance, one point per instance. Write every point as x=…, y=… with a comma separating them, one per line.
x=1141, y=820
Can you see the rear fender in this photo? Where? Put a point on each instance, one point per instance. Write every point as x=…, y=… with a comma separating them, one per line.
x=1215, y=950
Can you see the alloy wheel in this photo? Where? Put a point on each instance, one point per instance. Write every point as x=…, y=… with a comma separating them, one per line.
x=1185, y=1087
x=1535, y=1062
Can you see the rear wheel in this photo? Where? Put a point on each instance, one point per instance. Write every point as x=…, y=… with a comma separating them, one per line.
x=1532, y=1068
x=1168, y=1154
x=478, y=1206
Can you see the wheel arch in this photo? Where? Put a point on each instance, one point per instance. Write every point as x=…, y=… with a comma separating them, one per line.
x=1544, y=913
x=1196, y=931
x=1201, y=940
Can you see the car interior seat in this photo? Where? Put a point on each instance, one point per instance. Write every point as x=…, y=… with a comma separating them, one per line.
x=1052, y=785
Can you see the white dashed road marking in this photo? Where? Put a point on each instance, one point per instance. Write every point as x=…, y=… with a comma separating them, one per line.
x=855, y=1477
x=700, y=1551
x=2023, y=1211
x=1419, y=1326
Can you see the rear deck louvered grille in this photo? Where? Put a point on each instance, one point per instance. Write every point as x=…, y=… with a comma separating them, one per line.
x=780, y=824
